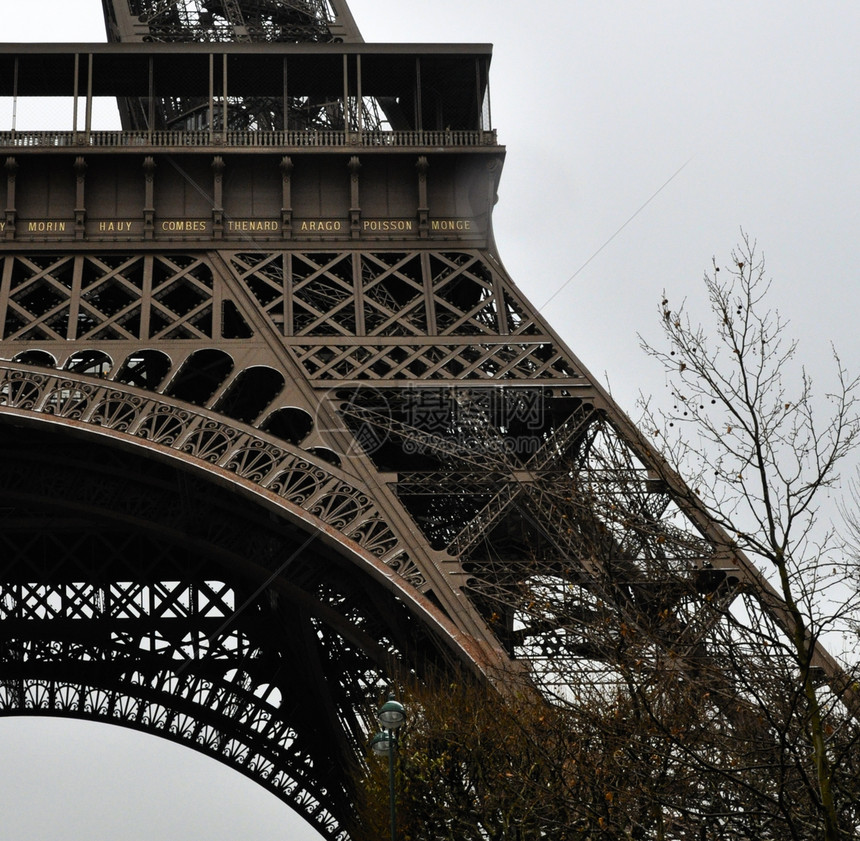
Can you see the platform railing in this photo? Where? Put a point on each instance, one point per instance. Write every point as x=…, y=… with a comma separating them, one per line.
x=247, y=139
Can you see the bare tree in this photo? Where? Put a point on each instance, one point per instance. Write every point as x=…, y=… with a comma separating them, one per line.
x=764, y=450
x=476, y=764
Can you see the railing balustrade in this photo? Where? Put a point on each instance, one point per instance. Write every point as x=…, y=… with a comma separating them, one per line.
x=321, y=138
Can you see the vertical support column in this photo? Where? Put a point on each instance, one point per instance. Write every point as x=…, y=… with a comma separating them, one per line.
x=346, y=123
x=358, y=294
x=15, y=97
x=489, y=127
x=149, y=199
x=359, y=104
x=286, y=114
x=146, y=299
x=211, y=96
x=354, y=204
x=8, y=223
x=429, y=300
x=419, y=107
x=286, y=197
x=217, y=332
x=7, y=229
x=80, y=167
x=150, y=116
x=218, y=197
x=89, y=118
x=422, y=166
x=76, y=83
x=224, y=106
x=480, y=101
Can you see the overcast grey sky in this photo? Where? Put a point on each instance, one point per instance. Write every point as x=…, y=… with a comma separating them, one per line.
x=599, y=104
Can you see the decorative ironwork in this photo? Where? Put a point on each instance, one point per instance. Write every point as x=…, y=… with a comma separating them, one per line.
x=294, y=475
x=275, y=417
x=231, y=20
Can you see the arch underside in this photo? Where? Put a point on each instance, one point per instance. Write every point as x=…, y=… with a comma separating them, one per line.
x=137, y=593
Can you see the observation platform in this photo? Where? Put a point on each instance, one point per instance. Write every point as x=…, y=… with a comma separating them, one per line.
x=219, y=141
x=408, y=88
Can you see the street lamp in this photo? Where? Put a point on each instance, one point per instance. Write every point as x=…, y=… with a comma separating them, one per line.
x=391, y=715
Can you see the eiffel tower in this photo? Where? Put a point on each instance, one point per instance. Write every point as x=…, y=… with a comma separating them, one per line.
x=273, y=416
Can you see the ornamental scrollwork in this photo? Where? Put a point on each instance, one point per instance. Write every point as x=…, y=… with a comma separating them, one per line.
x=37, y=696
x=406, y=567
x=163, y=425
x=279, y=767
x=341, y=507
x=68, y=399
x=300, y=482
x=254, y=462
x=286, y=471
x=21, y=392
x=375, y=536
x=116, y=411
x=97, y=702
x=209, y=442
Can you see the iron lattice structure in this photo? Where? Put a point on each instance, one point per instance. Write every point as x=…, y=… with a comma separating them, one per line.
x=227, y=21
x=275, y=418
x=297, y=21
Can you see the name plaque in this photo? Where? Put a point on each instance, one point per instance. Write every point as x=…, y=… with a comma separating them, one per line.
x=43, y=227
x=454, y=226
x=320, y=226
x=388, y=226
x=252, y=226
x=200, y=227
x=184, y=227
x=114, y=228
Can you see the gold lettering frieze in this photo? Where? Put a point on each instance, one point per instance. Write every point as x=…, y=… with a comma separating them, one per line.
x=320, y=226
x=184, y=226
x=252, y=226
x=45, y=227
x=114, y=228
x=388, y=226
x=452, y=225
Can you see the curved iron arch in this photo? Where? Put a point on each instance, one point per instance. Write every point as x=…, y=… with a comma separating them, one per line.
x=343, y=596
x=289, y=477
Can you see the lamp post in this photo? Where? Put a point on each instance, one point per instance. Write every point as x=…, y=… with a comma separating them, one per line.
x=391, y=715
